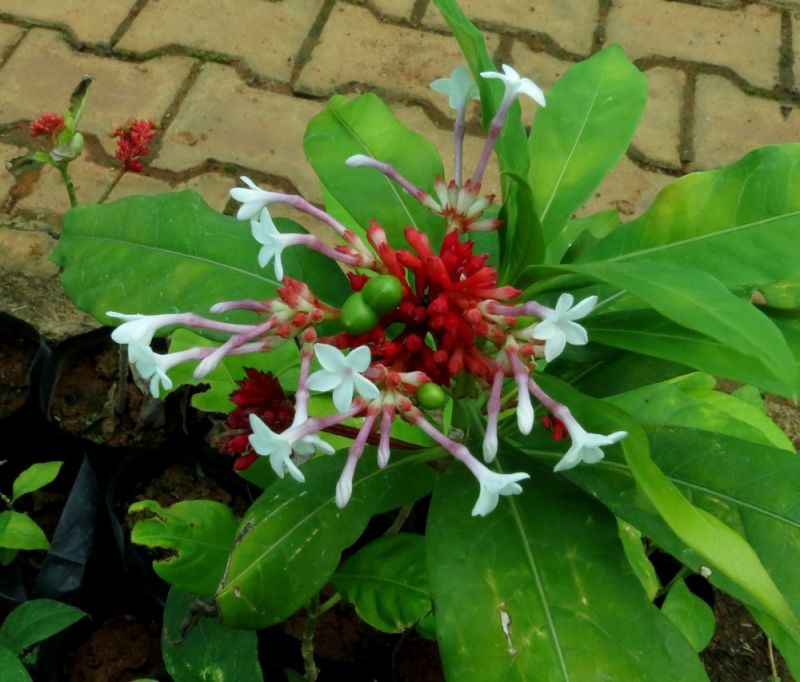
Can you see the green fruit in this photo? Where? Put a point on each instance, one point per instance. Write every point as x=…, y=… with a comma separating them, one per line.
x=357, y=316
x=431, y=396
x=383, y=293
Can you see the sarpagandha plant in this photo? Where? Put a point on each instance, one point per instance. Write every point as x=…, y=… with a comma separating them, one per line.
x=421, y=319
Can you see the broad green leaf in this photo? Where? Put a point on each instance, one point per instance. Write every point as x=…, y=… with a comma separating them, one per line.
x=210, y=651
x=365, y=125
x=579, y=234
x=714, y=541
x=290, y=540
x=524, y=240
x=35, y=477
x=691, y=615
x=283, y=362
x=12, y=668
x=592, y=112
x=540, y=589
x=692, y=402
x=34, y=621
x=387, y=583
x=155, y=254
x=700, y=303
x=199, y=535
x=646, y=332
x=641, y=566
x=737, y=223
x=783, y=294
x=19, y=531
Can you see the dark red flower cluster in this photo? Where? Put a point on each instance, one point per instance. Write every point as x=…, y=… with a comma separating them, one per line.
x=259, y=393
x=132, y=141
x=46, y=123
x=441, y=294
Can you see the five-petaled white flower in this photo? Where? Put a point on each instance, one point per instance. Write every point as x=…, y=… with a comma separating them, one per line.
x=460, y=87
x=586, y=446
x=558, y=328
x=139, y=328
x=516, y=84
x=276, y=446
x=150, y=365
x=342, y=374
x=273, y=242
x=492, y=486
x=252, y=200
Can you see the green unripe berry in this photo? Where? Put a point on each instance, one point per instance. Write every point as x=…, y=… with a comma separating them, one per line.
x=383, y=293
x=357, y=317
x=431, y=396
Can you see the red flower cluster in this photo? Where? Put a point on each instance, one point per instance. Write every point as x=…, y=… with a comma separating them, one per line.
x=259, y=393
x=555, y=426
x=46, y=123
x=132, y=143
x=441, y=299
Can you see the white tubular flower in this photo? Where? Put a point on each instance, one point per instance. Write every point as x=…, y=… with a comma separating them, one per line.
x=342, y=375
x=586, y=446
x=558, y=328
x=275, y=446
x=460, y=87
x=252, y=200
x=140, y=328
x=516, y=85
x=151, y=366
x=273, y=242
x=492, y=486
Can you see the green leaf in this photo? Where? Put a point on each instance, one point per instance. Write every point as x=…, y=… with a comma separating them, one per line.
x=365, y=125
x=13, y=670
x=386, y=581
x=77, y=102
x=153, y=254
x=737, y=223
x=540, y=589
x=579, y=234
x=692, y=402
x=523, y=233
x=210, y=651
x=698, y=302
x=19, y=531
x=691, y=615
x=35, y=477
x=646, y=332
x=783, y=294
x=592, y=112
x=34, y=621
x=290, y=540
x=641, y=566
x=200, y=535
x=283, y=362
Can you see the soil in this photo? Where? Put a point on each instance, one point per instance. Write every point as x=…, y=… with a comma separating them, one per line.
x=16, y=357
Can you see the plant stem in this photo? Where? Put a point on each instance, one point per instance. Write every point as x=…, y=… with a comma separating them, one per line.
x=73, y=199
x=5, y=500
x=400, y=519
x=113, y=184
x=329, y=603
x=307, y=645
x=773, y=667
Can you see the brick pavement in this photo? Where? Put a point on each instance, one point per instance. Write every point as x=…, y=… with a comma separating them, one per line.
x=232, y=84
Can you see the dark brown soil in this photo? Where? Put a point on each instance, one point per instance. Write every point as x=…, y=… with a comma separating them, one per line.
x=16, y=356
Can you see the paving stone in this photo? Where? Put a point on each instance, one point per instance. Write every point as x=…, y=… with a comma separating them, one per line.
x=224, y=119
x=658, y=135
x=9, y=34
x=90, y=22
x=267, y=35
x=7, y=152
x=570, y=23
x=27, y=251
x=747, y=40
x=394, y=9
x=29, y=85
x=728, y=123
x=783, y=4
x=48, y=199
x=398, y=60
x=542, y=68
x=627, y=188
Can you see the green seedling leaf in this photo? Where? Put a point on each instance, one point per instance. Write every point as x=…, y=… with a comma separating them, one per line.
x=588, y=123
x=784, y=294
x=12, y=668
x=34, y=621
x=200, y=533
x=690, y=614
x=524, y=240
x=365, y=125
x=209, y=651
x=290, y=540
x=77, y=102
x=35, y=477
x=537, y=588
x=738, y=223
x=19, y=531
x=387, y=582
x=637, y=558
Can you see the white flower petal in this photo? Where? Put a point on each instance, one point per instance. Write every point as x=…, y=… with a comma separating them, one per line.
x=574, y=333
x=564, y=303
x=279, y=266
x=492, y=486
x=582, y=309
x=330, y=357
x=554, y=346
x=323, y=380
x=359, y=359
x=343, y=395
x=365, y=387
